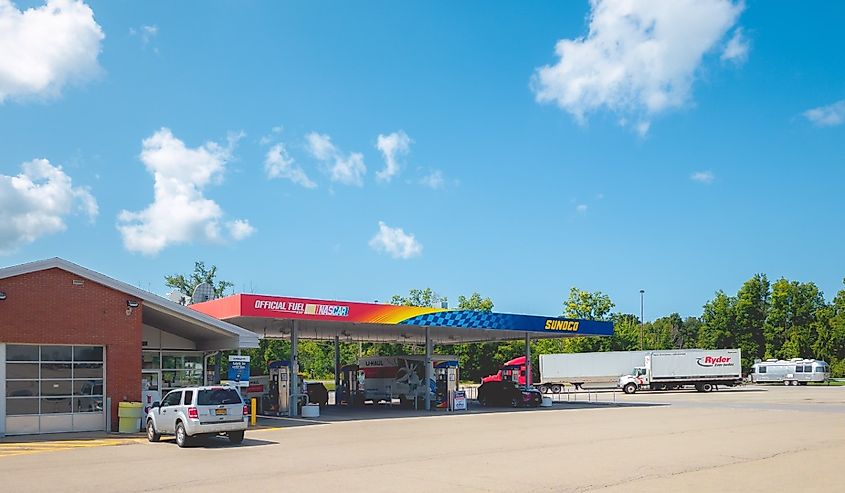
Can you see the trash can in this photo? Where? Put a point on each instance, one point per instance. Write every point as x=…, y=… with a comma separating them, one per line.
x=311, y=411
x=129, y=414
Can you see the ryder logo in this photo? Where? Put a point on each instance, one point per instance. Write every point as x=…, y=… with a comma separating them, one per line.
x=709, y=361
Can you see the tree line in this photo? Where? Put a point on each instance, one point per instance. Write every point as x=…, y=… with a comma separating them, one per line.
x=785, y=319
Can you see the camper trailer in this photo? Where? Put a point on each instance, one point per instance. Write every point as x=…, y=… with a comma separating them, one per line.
x=790, y=372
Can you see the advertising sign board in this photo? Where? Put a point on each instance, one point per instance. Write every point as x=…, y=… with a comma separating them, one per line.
x=239, y=370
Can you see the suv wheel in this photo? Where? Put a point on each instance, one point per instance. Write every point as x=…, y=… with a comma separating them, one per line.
x=181, y=435
x=236, y=437
x=152, y=435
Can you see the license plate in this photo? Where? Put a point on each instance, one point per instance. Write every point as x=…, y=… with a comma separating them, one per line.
x=220, y=412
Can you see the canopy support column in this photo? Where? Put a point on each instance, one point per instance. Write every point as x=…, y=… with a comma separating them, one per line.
x=428, y=370
x=336, y=369
x=293, y=408
x=529, y=376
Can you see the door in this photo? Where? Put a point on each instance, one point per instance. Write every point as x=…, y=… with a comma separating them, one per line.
x=167, y=413
x=150, y=388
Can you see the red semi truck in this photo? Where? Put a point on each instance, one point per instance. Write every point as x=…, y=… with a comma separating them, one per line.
x=513, y=370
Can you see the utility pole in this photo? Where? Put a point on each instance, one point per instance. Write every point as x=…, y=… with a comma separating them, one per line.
x=642, y=292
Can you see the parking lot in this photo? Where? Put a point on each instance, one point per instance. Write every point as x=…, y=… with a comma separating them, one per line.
x=750, y=439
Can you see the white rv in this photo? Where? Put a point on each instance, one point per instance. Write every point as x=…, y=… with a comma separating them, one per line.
x=790, y=372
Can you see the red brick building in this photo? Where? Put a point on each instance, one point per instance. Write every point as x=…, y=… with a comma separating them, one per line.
x=74, y=343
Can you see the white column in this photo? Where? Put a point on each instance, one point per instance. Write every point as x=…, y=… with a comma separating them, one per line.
x=293, y=407
x=336, y=368
x=428, y=369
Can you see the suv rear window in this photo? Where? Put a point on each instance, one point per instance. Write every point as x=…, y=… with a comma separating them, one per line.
x=216, y=397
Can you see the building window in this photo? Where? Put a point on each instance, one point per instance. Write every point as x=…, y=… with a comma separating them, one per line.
x=53, y=379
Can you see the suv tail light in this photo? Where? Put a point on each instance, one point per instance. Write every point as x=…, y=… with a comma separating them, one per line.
x=193, y=413
x=246, y=410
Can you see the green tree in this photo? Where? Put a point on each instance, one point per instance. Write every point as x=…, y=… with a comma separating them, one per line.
x=419, y=297
x=688, y=335
x=830, y=328
x=587, y=305
x=789, y=328
x=201, y=274
x=752, y=307
x=718, y=323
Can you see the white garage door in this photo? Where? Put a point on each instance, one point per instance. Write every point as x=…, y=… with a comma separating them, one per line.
x=51, y=389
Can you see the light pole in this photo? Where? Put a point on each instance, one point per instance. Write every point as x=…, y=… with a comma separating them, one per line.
x=642, y=292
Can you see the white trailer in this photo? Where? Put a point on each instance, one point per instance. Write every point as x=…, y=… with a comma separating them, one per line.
x=601, y=369
x=701, y=368
x=790, y=372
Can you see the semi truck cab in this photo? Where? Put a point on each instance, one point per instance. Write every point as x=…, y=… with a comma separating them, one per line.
x=638, y=379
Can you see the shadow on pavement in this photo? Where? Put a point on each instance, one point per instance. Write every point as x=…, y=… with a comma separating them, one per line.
x=333, y=414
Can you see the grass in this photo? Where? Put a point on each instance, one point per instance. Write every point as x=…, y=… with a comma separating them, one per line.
x=834, y=383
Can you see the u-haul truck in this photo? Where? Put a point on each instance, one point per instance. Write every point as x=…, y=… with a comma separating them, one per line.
x=671, y=369
x=384, y=378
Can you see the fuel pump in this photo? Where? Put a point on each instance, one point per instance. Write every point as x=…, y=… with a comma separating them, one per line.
x=349, y=392
x=279, y=395
x=446, y=374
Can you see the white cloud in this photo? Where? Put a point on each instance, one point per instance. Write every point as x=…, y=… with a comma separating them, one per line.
x=737, y=48
x=43, y=48
x=705, y=177
x=827, y=116
x=638, y=58
x=240, y=229
x=347, y=169
x=433, y=180
x=395, y=242
x=180, y=213
x=391, y=147
x=279, y=164
x=36, y=202
x=146, y=33
x=581, y=208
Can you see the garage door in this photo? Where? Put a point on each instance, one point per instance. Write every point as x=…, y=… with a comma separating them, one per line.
x=52, y=389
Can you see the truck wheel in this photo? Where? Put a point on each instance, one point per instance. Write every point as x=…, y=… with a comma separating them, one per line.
x=795, y=383
x=543, y=389
x=699, y=387
x=483, y=400
x=556, y=389
x=630, y=388
x=706, y=387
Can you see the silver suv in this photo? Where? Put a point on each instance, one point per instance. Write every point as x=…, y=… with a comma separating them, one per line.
x=198, y=411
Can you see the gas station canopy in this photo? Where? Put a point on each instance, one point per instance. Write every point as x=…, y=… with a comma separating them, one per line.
x=276, y=317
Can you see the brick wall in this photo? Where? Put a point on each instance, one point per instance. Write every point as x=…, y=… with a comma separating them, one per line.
x=46, y=307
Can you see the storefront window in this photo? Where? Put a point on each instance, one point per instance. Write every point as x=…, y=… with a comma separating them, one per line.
x=151, y=360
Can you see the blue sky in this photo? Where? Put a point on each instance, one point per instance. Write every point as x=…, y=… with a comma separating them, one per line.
x=678, y=148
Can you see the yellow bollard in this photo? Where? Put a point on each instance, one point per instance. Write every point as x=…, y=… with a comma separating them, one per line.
x=252, y=415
